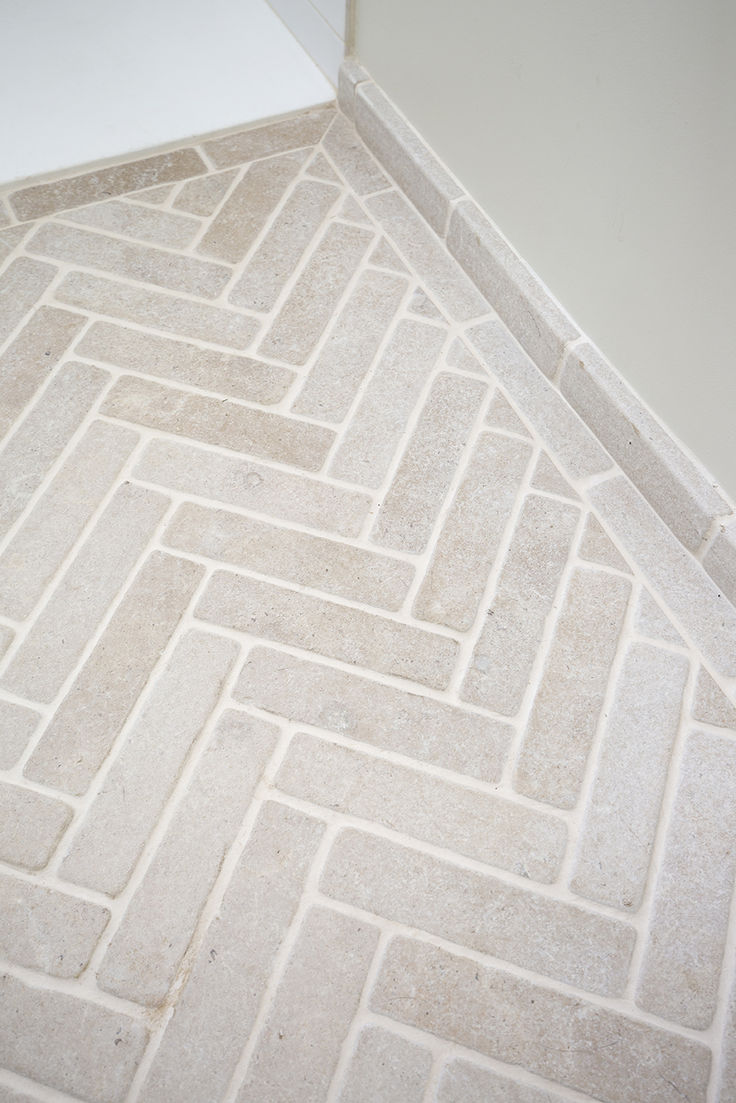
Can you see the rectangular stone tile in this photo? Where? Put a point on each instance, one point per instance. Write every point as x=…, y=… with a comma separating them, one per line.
x=10, y=1095
x=379, y=715
x=39, y=547
x=88, y=720
x=726, y=1088
x=338, y=631
x=144, y=955
x=568, y=438
x=21, y=285
x=310, y=305
x=30, y=826
x=6, y=638
x=350, y=572
x=556, y=744
x=688, y=925
x=46, y=930
x=250, y=485
x=249, y=206
x=203, y=195
x=679, y=580
x=114, y=830
x=157, y=310
x=70, y=1044
x=375, y=429
x=720, y=560
x=351, y=74
x=623, y=807
x=173, y=231
x=235, y=376
x=351, y=347
x=412, y=502
x=524, y=596
x=220, y=998
x=592, y=1049
x=678, y=488
x=462, y=1082
x=414, y=239
x=517, y=294
x=305, y=129
x=299, y=1046
x=276, y=258
x=17, y=725
x=475, y=824
x=143, y=263
x=545, y=936
x=27, y=363
x=468, y=544
x=59, y=634
x=43, y=434
x=416, y=170
x=218, y=421
x=387, y=1067
x=360, y=169
x=73, y=191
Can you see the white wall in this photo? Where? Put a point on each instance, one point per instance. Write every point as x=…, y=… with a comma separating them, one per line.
x=320, y=27
x=601, y=139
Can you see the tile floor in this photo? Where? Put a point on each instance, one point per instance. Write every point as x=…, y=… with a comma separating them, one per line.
x=345, y=755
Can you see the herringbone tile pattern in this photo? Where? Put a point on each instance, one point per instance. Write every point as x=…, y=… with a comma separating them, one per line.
x=344, y=755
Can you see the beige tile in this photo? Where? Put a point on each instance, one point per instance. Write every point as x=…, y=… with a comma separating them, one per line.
x=221, y=994
x=624, y=804
x=711, y=706
x=17, y=725
x=560, y=941
x=203, y=195
x=144, y=955
x=40, y=1029
x=58, y=518
x=501, y=415
x=46, y=930
x=386, y=1067
x=156, y=195
x=157, y=310
x=463, y=1082
x=580, y=1045
x=379, y=715
x=43, y=434
x=88, y=187
x=173, y=231
x=523, y=599
x=377, y=425
x=557, y=741
x=218, y=421
x=235, y=376
x=299, y=1045
x=276, y=258
x=720, y=561
x=30, y=826
x=466, y=548
x=307, y=311
x=29, y=360
x=597, y=547
x=415, y=497
x=60, y=633
x=459, y=356
x=475, y=824
x=351, y=347
x=320, y=167
x=360, y=169
x=726, y=1086
x=351, y=74
x=86, y=723
x=142, y=263
x=649, y=620
x=383, y=256
x=248, y=207
x=336, y=568
x=686, y=938
x=114, y=830
x=6, y=638
x=338, y=631
x=305, y=129
x=21, y=285
x=547, y=477
x=255, y=486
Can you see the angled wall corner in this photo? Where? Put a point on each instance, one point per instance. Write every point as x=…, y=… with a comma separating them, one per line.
x=320, y=27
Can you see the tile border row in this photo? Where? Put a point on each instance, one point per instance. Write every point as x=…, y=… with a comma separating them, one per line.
x=674, y=485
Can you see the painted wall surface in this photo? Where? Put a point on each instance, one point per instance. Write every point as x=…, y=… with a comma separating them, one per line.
x=601, y=139
x=319, y=26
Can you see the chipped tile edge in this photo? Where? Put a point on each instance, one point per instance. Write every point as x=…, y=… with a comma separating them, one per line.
x=553, y=341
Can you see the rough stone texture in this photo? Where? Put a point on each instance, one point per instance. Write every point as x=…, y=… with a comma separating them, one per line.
x=21, y=284
x=471, y=822
x=74, y=191
x=379, y=715
x=462, y=1082
x=687, y=928
x=720, y=561
x=501, y=415
x=650, y=621
x=298, y=557
x=30, y=826
x=481, y=912
x=262, y=141
x=173, y=231
x=343, y=633
x=597, y=547
x=711, y=706
x=550, y=1033
x=353, y=160
x=386, y=1067
x=203, y=195
x=17, y=725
